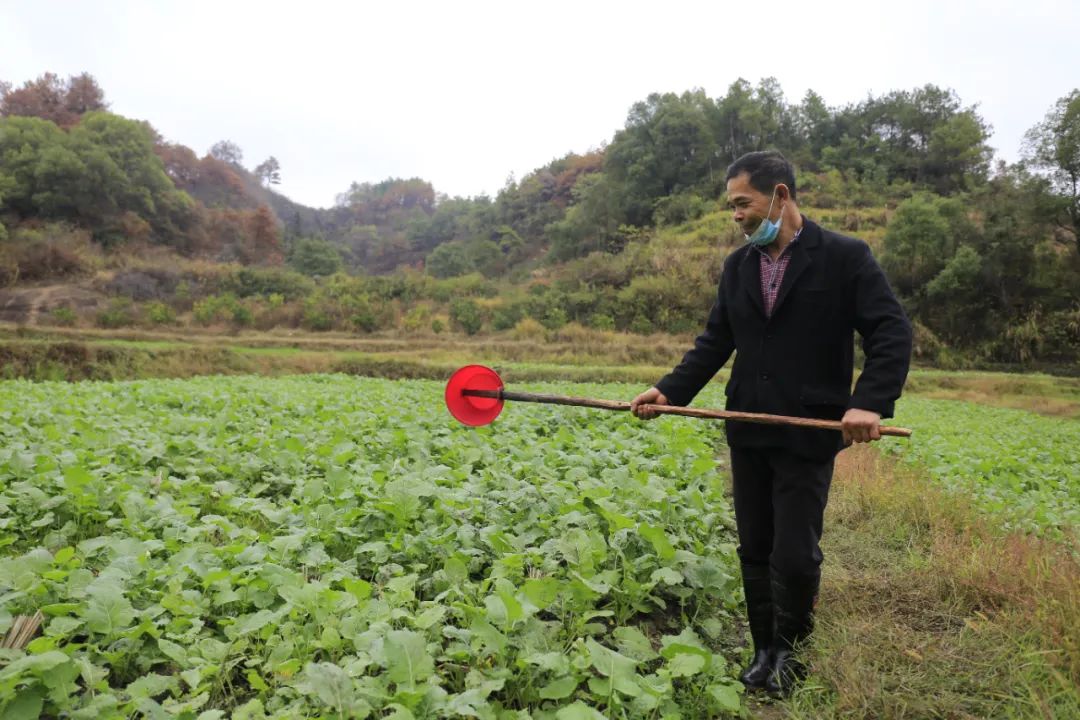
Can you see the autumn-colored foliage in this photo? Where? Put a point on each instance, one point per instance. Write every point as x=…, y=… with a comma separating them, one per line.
x=50, y=98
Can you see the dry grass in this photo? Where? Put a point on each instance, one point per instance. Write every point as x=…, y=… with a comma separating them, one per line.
x=928, y=612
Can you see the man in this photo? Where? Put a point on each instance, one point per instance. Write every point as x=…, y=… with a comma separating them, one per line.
x=788, y=304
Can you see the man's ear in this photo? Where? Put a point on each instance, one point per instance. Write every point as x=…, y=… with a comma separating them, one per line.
x=783, y=193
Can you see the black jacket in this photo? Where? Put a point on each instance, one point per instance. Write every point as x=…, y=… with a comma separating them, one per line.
x=800, y=361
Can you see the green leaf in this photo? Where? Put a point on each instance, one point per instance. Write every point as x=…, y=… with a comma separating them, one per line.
x=726, y=696
x=430, y=616
x=619, y=668
x=578, y=711
x=27, y=705
x=248, y=624
x=331, y=685
x=256, y=682
x=360, y=589
x=108, y=611
x=541, y=592
x=150, y=686
x=63, y=555
x=76, y=477
x=633, y=643
x=514, y=611
x=559, y=689
x=491, y=637
x=62, y=626
x=667, y=576
x=659, y=540
x=173, y=651
x=400, y=712
x=36, y=664
x=407, y=658
x=686, y=665
x=457, y=572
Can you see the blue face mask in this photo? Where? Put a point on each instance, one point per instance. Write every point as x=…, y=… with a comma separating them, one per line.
x=767, y=231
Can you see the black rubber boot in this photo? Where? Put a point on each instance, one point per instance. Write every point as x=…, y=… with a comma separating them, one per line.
x=757, y=586
x=793, y=603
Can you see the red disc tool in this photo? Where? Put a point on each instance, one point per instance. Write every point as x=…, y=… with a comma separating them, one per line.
x=471, y=409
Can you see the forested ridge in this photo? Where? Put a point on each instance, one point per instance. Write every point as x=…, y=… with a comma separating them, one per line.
x=627, y=236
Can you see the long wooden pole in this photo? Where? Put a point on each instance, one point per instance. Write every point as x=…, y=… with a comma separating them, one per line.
x=759, y=418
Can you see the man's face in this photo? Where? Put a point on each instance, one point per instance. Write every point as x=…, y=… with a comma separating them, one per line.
x=750, y=205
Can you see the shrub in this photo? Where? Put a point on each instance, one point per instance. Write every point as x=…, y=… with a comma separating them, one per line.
x=466, y=315
x=417, y=318
x=64, y=316
x=554, y=318
x=506, y=316
x=159, y=313
x=528, y=329
x=642, y=325
x=119, y=313
x=52, y=252
x=602, y=322
x=220, y=308
x=248, y=281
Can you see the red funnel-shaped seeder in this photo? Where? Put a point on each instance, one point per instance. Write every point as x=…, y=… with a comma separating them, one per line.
x=474, y=411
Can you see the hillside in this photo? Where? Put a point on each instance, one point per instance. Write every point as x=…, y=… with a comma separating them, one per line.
x=103, y=221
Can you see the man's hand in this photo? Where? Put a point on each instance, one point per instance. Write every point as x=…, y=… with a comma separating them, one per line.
x=860, y=426
x=652, y=396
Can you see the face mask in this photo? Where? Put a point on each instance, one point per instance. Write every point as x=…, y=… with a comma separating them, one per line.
x=767, y=231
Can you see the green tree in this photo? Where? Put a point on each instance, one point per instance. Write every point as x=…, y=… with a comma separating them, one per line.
x=918, y=243
x=449, y=260
x=315, y=257
x=1054, y=146
x=466, y=314
x=666, y=146
x=268, y=171
x=227, y=152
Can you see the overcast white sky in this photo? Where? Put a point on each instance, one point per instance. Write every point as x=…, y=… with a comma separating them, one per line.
x=465, y=93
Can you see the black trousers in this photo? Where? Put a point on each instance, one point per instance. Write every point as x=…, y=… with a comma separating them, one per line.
x=779, y=506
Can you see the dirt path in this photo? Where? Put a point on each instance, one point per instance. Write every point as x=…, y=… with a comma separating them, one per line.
x=27, y=305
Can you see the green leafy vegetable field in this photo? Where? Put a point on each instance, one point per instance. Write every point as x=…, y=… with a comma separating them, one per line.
x=337, y=547
x=1021, y=467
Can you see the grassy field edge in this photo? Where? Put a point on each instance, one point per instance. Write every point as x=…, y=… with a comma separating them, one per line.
x=928, y=611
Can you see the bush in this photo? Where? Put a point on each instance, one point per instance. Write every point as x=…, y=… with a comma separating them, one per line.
x=438, y=326
x=528, y=329
x=249, y=281
x=641, y=325
x=507, y=316
x=602, y=322
x=466, y=314
x=64, y=316
x=554, y=318
x=159, y=313
x=52, y=252
x=119, y=313
x=417, y=318
x=220, y=309
x=678, y=209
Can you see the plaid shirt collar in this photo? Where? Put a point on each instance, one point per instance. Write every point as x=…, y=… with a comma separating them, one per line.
x=772, y=273
x=794, y=239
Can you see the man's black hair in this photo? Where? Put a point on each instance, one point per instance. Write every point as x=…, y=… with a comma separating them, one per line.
x=767, y=169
